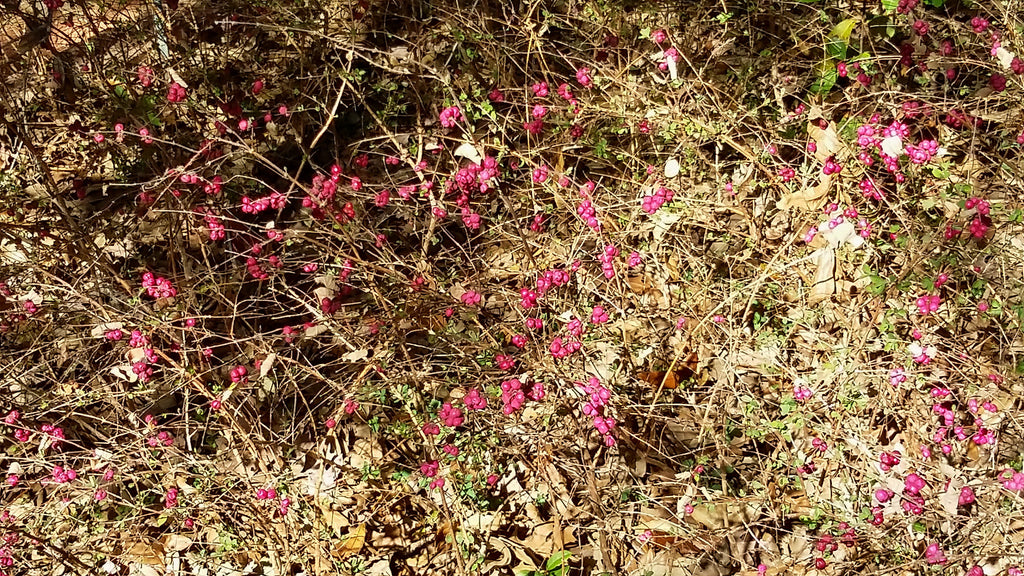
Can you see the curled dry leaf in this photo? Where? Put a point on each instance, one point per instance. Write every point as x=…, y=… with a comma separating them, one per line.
x=267, y=364
x=808, y=198
x=824, y=283
x=351, y=544
x=468, y=151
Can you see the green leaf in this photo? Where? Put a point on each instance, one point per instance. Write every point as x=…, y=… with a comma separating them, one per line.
x=843, y=30
x=827, y=77
x=835, y=49
x=877, y=286
x=890, y=5
x=556, y=563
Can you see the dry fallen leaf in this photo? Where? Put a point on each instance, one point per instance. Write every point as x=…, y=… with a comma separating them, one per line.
x=150, y=553
x=267, y=364
x=826, y=140
x=468, y=151
x=351, y=544
x=176, y=542
x=808, y=198
x=824, y=277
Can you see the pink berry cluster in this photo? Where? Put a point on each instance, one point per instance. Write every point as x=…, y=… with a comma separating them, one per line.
x=913, y=502
x=273, y=201
x=474, y=400
x=62, y=475
x=551, y=279
x=889, y=460
x=215, y=226
x=171, y=498
x=967, y=496
x=450, y=116
x=55, y=434
x=588, y=214
x=266, y=494
x=923, y=151
x=22, y=434
x=512, y=395
x=239, y=374
x=607, y=259
x=143, y=370
x=869, y=189
x=831, y=167
x=176, y=93
x=475, y=177
x=322, y=195
x=977, y=210
x=540, y=174
x=471, y=298
x=653, y=202
x=906, y=6
x=928, y=303
x=583, y=77
x=598, y=398
x=847, y=536
x=430, y=468
x=933, y=554
x=837, y=215
x=158, y=286
x=897, y=376
x=669, y=57
x=162, y=438
x=145, y=76
x=450, y=416
x=138, y=339
x=802, y=393
x=1012, y=480
x=505, y=362
x=562, y=348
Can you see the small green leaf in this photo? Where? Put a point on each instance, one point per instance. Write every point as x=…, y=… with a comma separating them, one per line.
x=877, y=286
x=556, y=563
